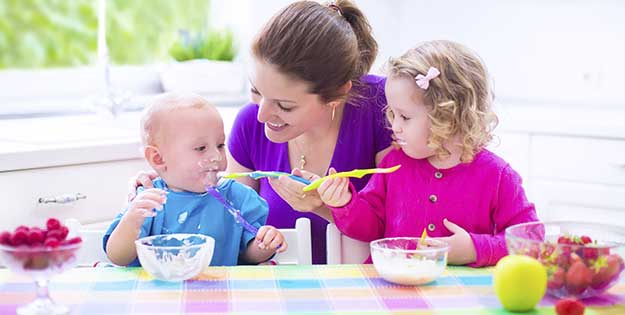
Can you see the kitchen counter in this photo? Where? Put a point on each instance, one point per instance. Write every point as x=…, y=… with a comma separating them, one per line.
x=318, y=289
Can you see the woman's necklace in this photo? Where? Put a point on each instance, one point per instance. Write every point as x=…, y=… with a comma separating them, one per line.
x=302, y=155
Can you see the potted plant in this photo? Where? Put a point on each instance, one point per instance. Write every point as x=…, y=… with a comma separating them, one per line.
x=204, y=64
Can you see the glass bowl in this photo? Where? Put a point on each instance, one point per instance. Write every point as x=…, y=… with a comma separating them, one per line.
x=175, y=257
x=574, y=269
x=407, y=261
x=40, y=263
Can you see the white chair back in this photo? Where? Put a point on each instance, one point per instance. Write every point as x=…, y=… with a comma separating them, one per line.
x=299, y=251
x=91, y=252
x=341, y=249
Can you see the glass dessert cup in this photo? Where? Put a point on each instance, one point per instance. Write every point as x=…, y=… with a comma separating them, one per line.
x=40, y=263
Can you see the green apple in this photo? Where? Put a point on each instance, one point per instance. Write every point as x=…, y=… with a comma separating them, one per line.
x=520, y=282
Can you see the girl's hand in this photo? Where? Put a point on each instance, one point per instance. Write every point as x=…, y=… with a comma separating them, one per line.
x=144, y=204
x=142, y=178
x=270, y=238
x=461, y=248
x=334, y=192
x=291, y=191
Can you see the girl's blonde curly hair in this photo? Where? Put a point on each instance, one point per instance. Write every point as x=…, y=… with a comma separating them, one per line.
x=460, y=97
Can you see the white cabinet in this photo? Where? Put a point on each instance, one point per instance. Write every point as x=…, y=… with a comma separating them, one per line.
x=104, y=185
x=578, y=178
x=514, y=148
x=566, y=200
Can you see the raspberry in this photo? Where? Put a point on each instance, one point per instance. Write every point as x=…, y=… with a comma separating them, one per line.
x=5, y=238
x=51, y=242
x=22, y=228
x=58, y=234
x=53, y=224
x=570, y=307
x=64, y=231
x=73, y=240
x=19, y=237
x=35, y=236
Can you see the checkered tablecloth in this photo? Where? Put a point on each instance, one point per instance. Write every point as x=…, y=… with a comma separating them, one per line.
x=321, y=289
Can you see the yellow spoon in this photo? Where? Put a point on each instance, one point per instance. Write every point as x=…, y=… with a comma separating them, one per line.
x=355, y=173
x=424, y=235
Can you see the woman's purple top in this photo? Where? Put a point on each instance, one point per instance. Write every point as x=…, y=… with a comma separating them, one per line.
x=364, y=132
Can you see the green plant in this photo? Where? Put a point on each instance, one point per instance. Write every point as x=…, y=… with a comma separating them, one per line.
x=211, y=45
x=61, y=33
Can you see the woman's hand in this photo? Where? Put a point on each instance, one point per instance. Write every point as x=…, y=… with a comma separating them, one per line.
x=334, y=192
x=461, y=248
x=291, y=191
x=142, y=178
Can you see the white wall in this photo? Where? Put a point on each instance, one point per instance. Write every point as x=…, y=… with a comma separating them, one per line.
x=538, y=51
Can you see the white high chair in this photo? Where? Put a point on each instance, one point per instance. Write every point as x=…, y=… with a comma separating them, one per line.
x=299, y=251
x=91, y=252
x=342, y=249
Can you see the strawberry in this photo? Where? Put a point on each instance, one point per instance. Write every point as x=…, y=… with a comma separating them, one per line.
x=564, y=240
x=563, y=260
x=53, y=224
x=609, y=269
x=557, y=279
x=590, y=253
x=585, y=239
x=578, y=278
x=570, y=307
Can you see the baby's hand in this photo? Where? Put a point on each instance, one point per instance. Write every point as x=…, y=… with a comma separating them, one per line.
x=144, y=204
x=334, y=192
x=270, y=238
x=461, y=247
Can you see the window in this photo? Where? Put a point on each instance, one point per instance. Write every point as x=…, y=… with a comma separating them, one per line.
x=49, y=61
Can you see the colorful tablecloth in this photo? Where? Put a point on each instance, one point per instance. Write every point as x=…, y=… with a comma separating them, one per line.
x=322, y=289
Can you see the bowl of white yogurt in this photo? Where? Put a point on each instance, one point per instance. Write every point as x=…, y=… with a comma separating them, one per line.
x=409, y=260
x=175, y=257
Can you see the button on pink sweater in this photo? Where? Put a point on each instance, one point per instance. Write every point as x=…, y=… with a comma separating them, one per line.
x=484, y=197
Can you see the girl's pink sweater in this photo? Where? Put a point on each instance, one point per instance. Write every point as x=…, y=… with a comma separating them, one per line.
x=484, y=197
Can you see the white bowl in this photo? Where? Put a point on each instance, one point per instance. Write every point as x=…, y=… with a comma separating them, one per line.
x=175, y=257
x=403, y=260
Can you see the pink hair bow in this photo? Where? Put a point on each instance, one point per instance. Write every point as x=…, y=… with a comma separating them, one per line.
x=424, y=81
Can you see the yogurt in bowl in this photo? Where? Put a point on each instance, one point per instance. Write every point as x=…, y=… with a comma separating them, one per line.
x=409, y=260
x=175, y=257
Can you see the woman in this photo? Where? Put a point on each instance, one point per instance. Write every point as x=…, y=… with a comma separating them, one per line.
x=313, y=107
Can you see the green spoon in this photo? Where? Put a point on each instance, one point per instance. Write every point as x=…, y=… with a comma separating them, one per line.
x=355, y=173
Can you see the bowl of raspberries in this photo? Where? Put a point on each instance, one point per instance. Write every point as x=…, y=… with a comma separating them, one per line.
x=39, y=250
x=582, y=259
